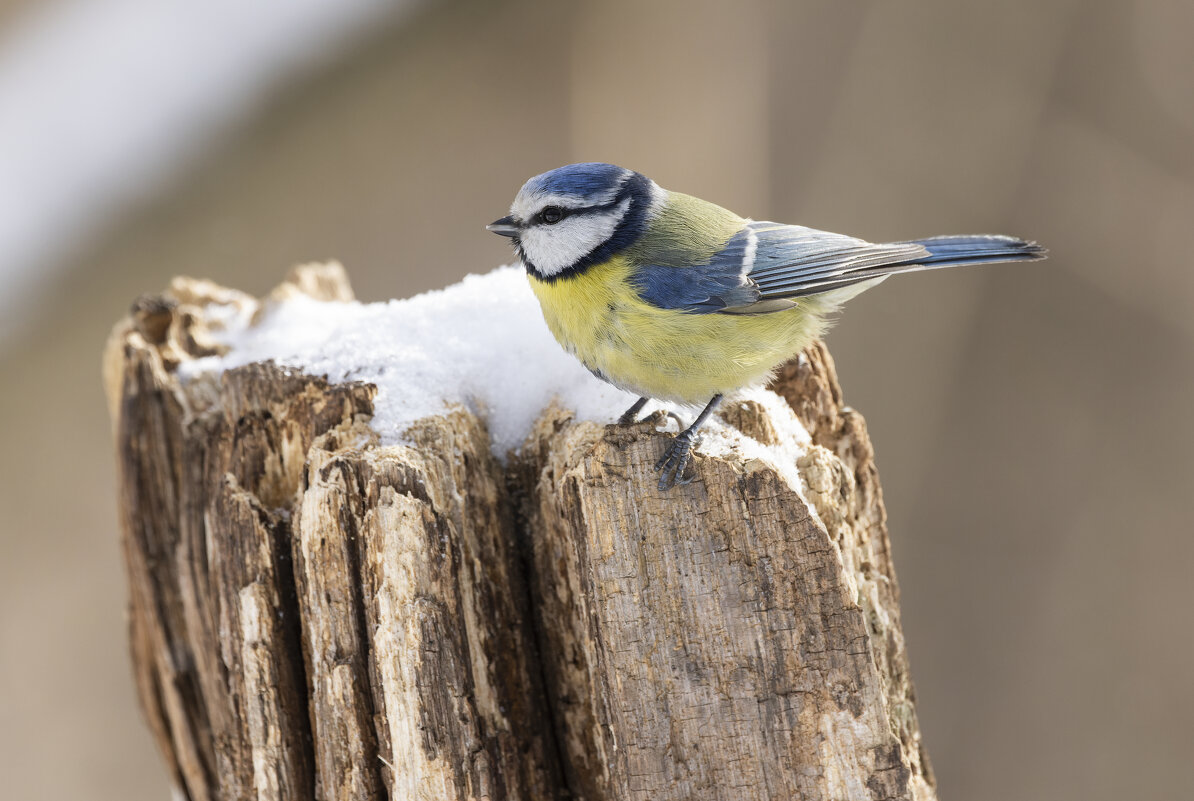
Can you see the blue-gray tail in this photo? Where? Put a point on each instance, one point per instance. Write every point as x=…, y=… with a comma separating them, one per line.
x=866, y=264
x=949, y=251
x=792, y=261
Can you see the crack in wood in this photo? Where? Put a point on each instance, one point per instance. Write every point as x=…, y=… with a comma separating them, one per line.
x=313, y=615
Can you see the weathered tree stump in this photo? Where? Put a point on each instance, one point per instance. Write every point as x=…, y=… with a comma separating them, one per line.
x=316, y=616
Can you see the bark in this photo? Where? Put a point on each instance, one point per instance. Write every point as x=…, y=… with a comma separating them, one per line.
x=315, y=616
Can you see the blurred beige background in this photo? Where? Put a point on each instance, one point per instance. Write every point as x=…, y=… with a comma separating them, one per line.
x=1032, y=422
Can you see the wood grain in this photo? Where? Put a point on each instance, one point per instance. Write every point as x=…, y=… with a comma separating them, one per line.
x=316, y=616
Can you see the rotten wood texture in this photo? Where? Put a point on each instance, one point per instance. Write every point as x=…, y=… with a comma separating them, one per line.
x=315, y=616
x=732, y=641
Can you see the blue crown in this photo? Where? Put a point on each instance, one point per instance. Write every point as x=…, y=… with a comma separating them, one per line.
x=585, y=180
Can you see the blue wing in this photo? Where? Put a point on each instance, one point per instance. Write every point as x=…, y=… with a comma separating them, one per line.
x=766, y=266
x=710, y=286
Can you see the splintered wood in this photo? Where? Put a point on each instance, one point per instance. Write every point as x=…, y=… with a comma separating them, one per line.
x=315, y=616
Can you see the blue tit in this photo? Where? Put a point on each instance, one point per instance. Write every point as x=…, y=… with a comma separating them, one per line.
x=674, y=298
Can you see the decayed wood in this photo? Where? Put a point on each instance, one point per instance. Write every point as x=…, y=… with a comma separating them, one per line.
x=731, y=641
x=415, y=620
x=313, y=616
x=316, y=616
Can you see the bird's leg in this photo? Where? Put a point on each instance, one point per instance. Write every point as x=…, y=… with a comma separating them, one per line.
x=630, y=416
x=679, y=451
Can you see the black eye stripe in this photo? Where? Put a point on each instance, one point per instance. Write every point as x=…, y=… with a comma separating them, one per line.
x=583, y=211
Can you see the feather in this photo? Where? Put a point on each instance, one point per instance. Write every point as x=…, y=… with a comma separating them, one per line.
x=816, y=276
x=765, y=267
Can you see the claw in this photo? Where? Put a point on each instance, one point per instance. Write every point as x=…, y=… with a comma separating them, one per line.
x=678, y=455
x=676, y=458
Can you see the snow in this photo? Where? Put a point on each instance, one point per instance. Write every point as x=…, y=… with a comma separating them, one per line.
x=481, y=343
x=794, y=440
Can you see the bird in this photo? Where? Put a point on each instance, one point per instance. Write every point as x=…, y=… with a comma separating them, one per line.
x=675, y=298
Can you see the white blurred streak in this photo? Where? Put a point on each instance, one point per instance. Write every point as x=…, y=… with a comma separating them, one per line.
x=102, y=100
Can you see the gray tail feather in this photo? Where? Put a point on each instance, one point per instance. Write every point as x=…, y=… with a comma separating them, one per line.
x=947, y=251
x=944, y=251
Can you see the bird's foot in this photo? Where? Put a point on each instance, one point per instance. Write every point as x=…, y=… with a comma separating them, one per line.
x=679, y=422
x=630, y=416
x=676, y=459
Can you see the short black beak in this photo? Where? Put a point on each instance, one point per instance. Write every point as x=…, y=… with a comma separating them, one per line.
x=503, y=227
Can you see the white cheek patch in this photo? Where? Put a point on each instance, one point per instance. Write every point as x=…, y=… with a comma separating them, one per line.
x=554, y=248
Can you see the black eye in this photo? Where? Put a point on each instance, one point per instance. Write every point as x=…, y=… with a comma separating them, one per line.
x=551, y=215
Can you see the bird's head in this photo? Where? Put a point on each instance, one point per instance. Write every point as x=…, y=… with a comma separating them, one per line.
x=569, y=218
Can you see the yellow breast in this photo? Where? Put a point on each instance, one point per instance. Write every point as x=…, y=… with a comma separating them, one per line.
x=667, y=354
